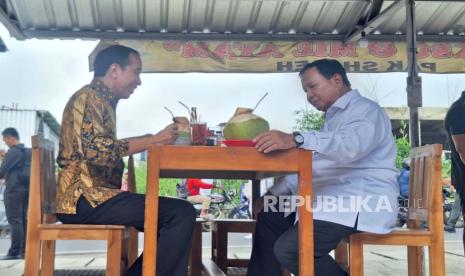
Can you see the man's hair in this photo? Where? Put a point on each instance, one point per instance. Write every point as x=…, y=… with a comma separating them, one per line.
x=114, y=54
x=11, y=131
x=327, y=68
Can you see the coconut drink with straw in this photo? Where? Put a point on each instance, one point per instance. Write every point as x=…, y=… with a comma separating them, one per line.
x=245, y=125
x=184, y=137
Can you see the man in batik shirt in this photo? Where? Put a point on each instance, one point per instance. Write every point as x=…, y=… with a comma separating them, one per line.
x=90, y=158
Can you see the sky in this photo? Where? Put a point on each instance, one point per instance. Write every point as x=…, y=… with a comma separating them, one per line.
x=43, y=74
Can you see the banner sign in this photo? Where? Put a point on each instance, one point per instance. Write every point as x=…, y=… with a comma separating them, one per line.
x=290, y=56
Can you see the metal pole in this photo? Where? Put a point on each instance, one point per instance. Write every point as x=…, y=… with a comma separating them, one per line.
x=414, y=99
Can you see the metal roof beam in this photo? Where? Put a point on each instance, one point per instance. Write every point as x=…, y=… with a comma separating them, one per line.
x=234, y=36
x=371, y=11
x=425, y=38
x=45, y=34
x=375, y=22
x=376, y=9
x=11, y=25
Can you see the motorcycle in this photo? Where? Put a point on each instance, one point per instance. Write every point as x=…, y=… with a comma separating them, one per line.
x=223, y=204
x=228, y=207
x=448, y=206
x=242, y=210
x=402, y=216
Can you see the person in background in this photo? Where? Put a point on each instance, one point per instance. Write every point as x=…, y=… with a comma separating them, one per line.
x=124, y=182
x=193, y=187
x=455, y=128
x=404, y=178
x=16, y=191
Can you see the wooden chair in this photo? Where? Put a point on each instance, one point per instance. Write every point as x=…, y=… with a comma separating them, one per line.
x=425, y=206
x=220, y=230
x=43, y=231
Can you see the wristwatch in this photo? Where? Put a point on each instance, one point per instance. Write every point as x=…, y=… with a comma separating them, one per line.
x=298, y=138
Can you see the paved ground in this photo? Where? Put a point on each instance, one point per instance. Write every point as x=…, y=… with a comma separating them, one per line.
x=379, y=261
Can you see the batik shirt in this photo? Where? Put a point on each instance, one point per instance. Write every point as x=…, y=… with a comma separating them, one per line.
x=90, y=155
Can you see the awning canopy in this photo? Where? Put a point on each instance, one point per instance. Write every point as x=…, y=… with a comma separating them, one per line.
x=290, y=56
x=307, y=21
x=343, y=20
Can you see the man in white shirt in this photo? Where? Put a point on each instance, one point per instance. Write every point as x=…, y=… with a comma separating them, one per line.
x=354, y=175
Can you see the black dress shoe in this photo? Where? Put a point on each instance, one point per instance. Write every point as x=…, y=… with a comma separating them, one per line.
x=12, y=257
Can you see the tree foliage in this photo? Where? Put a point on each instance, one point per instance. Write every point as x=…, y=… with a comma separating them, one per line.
x=308, y=120
x=403, y=145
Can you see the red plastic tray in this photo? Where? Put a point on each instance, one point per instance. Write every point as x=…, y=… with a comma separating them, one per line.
x=239, y=143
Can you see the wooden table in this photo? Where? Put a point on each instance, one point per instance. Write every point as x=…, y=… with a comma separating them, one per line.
x=225, y=163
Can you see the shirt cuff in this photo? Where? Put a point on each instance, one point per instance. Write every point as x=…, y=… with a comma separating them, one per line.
x=310, y=140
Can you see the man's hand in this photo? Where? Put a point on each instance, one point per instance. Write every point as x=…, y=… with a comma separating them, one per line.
x=2, y=154
x=168, y=135
x=274, y=140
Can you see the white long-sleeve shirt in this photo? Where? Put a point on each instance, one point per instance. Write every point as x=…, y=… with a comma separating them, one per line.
x=354, y=171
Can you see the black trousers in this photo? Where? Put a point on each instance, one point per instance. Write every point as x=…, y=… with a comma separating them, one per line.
x=176, y=221
x=276, y=246
x=16, y=213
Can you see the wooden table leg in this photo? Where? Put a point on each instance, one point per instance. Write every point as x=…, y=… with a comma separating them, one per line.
x=306, y=245
x=151, y=214
x=195, y=265
x=255, y=193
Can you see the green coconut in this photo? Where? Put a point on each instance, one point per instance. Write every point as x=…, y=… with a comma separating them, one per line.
x=244, y=125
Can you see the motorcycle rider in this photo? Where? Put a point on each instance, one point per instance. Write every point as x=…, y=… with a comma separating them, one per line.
x=193, y=187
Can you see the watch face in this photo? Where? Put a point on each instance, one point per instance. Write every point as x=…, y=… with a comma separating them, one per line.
x=298, y=138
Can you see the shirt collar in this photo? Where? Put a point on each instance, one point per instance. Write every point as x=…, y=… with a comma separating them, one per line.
x=104, y=91
x=344, y=101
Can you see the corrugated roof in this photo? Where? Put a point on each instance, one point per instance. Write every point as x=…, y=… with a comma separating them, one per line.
x=229, y=19
x=17, y=115
x=442, y=18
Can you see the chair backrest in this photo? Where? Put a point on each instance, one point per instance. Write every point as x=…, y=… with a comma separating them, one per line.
x=131, y=175
x=425, y=186
x=43, y=185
